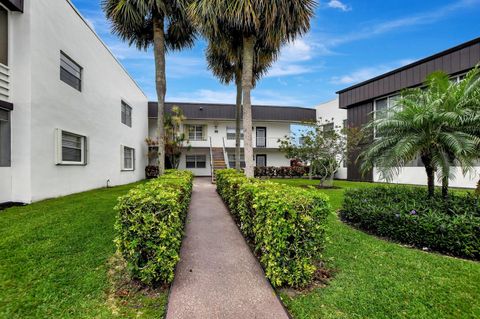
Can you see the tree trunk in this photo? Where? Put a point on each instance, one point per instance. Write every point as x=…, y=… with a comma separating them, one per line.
x=238, y=119
x=161, y=83
x=427, y=162
x=247, y=83
x=445, y=185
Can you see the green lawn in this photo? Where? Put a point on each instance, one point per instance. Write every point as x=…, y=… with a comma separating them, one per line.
x=380, y=279
x=54, y=261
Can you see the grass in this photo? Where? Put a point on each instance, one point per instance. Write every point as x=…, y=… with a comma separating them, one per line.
x=55, y=260
x=381, y=279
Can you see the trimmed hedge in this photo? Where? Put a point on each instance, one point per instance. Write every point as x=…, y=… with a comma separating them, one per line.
x=284, y=171
x=404, y=214
x=149, y=226
x=285, y=224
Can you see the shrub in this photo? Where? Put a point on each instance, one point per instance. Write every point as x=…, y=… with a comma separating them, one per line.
x=405, y=214
x=284, y=171
x=286, y=225
x=149, y=226
x=151, y=171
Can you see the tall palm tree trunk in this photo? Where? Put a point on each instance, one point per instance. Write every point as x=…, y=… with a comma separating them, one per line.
x=247, y=81
x=161, y=83
x=238, y=119
x=427, y=162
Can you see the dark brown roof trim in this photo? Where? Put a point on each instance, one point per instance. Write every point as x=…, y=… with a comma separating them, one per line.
x=6, y=105
x=13, y=5
x=227, y=112
x=408, y=66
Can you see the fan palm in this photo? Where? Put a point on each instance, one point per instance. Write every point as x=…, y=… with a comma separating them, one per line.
x=224, y=58
x=439, y=124
x=259, y=24
x=162, y=24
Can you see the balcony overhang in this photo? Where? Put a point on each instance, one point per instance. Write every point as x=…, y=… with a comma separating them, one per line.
x=13, y=5
x=6, y=105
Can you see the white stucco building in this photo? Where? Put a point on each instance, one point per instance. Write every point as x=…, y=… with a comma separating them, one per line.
x=329, y=114
x=71, y=118
x=212, y=126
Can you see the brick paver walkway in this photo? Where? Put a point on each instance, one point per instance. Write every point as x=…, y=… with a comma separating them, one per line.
x=218, y=276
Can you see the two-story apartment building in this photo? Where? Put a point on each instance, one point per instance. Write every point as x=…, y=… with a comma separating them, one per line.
x=71, y=118
x=360, y=101
x=212, y=126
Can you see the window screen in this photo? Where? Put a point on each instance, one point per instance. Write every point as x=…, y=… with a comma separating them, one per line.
x=5, y=141
x=70, y=72
x=126, y=114
x=3, y=36
x=128, y=158
x=231, y=133
x=72, y=147
x=196, y=161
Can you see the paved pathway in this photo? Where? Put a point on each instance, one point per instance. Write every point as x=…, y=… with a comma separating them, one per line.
x=218, y=277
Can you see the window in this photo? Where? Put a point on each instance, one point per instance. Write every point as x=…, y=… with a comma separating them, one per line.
x=261, y=160
x=328, y=127
x=126, y=114
x=3, y=36
x=231, y=160
x=5, y=141
x=128, y=158
x=71, y=148
x=383, y=107
x=345, y=124
x=231, y=133
x=70, y=72
x=196, y=161
x=195, y=132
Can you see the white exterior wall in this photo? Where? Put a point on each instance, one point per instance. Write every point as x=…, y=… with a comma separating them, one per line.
x=217, y=131
x=418, y=176
x=330, y=112
x=43, y=103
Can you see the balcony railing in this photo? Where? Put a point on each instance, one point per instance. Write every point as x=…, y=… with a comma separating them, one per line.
x=4, y=82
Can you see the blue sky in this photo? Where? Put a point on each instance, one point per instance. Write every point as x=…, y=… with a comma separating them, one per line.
x=350, y=41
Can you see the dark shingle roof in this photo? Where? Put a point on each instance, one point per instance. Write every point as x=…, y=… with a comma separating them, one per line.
x=227, y=112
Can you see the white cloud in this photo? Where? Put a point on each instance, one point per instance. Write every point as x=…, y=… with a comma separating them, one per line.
x=293, y=59
x=337, y=4
x=366, y=73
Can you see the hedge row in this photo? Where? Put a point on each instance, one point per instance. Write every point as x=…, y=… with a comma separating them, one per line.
x=149, y=226
x=405, y=214
x=285, y=224
x=284, y=171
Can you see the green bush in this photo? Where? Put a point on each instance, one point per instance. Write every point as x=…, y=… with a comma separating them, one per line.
x=149, y=226
x=285, y=224
x=405, y=214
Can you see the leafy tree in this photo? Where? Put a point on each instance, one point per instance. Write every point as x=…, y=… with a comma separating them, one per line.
x=162, y=24
x=440, y=124
x=325, y=150
x=260, y=25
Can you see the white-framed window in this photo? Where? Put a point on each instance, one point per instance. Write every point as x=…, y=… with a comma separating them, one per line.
x=71, y=148
x=128, y=158
x=196, y=161
x=383, y=107
x=458, y=78
x=231, y=159
x=126, y=114
x=196, y=132
x=70, y=72
x=231, y=133
x=328, y=127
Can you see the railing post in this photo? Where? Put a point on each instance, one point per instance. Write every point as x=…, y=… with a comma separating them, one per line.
x=225, y=156
x=211, y=161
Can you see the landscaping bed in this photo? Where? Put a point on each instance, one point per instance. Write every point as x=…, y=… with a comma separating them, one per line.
x=285, y=225
x=406, y=214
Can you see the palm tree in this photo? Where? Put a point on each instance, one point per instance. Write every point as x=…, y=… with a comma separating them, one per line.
x=224, y=58
x=259, y=24
x=162, y=24
x=437, y=124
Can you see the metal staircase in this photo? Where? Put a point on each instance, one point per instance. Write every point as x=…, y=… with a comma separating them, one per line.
x=217, y=159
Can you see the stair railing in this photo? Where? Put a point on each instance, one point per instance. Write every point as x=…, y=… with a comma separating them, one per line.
x=211, y=161
x=225, y=155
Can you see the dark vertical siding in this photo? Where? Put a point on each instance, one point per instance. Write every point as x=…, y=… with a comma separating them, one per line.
x=357, y=117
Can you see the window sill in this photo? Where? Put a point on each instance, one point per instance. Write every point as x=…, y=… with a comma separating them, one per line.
x=71, y=164
x=127, y=170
